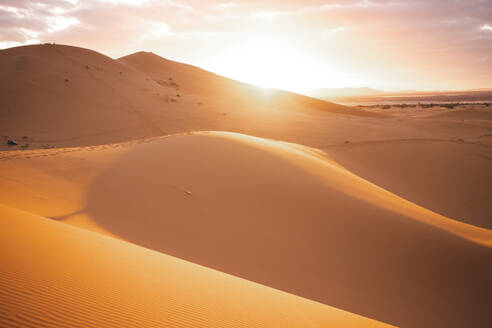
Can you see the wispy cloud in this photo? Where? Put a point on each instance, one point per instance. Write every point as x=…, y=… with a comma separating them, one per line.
x=334, y=31
x=486, y=27
x=224, y=6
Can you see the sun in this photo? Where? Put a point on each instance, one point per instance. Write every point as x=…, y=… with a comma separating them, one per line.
x=273, y=65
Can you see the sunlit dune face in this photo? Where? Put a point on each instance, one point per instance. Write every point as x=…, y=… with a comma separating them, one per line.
x=272, y=65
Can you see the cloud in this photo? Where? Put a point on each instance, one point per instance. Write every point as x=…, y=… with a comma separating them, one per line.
x=156, y=30
x=266, y=15
x=486, y=27
x=58, y=23
x=126, y=2
x=334, y=31
x=224, y=6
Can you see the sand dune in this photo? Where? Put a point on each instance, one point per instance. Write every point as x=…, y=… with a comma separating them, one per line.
x=451, y=177
x=61, y=276
x=100, y=105
x=70, y=96
x=275, y=213
x=52, y=93
x=196, y=81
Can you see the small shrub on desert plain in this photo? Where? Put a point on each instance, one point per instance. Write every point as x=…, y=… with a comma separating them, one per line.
x=386, y=107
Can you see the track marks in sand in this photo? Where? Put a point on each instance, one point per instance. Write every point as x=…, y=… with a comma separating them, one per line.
x=38, y=153
x=44, y=152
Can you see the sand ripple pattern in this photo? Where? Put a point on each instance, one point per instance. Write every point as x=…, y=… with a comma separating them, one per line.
x=56, y=275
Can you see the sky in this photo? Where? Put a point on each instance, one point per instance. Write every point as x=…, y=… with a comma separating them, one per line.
x=296, y=45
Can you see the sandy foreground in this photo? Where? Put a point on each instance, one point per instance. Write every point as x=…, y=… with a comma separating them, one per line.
x=62, y=276
x=384, y=214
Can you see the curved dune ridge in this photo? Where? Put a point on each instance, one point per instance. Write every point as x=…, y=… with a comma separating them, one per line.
x=62, y=276
x=280, y=214
x=330, y=172
x=197, y=81
x=448, y=177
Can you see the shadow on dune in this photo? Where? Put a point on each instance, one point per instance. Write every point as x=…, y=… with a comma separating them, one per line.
x=249, y=212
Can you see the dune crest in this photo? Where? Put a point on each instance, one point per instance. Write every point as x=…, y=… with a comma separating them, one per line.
x=349, y=183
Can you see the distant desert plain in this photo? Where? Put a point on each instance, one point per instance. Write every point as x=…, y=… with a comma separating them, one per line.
x=143, y=192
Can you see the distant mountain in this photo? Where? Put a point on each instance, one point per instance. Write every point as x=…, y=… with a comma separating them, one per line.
x=342, y=92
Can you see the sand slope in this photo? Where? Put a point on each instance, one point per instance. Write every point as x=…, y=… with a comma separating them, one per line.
x=64, y=95
x=452, y=178
x=52, y=93
x=61, y=276
x=279, y=214
x=196, y=81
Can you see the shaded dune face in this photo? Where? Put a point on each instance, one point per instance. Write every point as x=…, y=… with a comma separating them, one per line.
x=62, y=276
x=288, y=218
x=68, y=93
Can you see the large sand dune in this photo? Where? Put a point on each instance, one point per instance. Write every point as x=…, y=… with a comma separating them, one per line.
x=55, y=275
x=108, y=100
x=196, y=81
x=279, y=214
x=63, y=95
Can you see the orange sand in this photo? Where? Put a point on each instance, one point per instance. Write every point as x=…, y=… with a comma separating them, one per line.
x=387, y=216
x=279, y=214
x=55, y=275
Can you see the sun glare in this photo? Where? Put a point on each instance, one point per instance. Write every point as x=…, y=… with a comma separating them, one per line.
x=273, y=65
